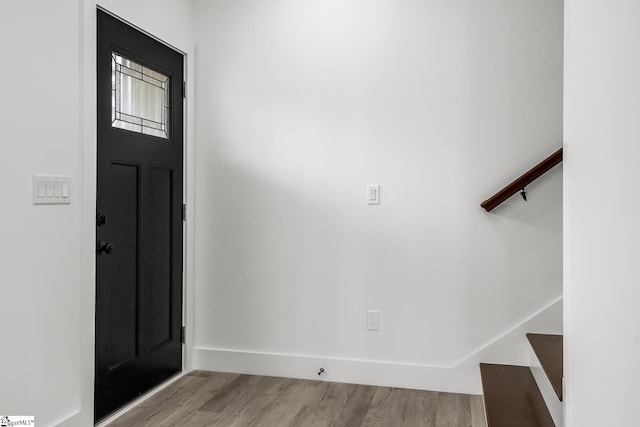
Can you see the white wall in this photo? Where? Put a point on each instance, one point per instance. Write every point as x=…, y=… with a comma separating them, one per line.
x=299, y=106
x=40, y=270
x=602, y=230
x=48, y=126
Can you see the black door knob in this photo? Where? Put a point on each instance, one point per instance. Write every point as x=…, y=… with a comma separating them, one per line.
x=103, y=247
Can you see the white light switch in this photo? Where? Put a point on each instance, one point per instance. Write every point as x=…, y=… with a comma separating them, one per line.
x=373, y=194
x=50, y=190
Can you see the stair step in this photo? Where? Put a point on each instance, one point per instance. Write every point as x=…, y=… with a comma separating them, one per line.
x=548, y=349
x=512, y=397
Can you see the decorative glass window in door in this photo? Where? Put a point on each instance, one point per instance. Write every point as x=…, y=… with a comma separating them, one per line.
x=139, y=98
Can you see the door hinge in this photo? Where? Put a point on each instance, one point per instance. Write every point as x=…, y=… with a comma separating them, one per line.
x=184, y=212
x=184, y=89
x=183, y=335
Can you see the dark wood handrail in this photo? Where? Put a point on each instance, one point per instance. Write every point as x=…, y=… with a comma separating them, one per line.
x=524, y=180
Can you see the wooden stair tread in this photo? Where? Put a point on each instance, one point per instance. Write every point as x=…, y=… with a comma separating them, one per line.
x=548, y=349
x=512, y=397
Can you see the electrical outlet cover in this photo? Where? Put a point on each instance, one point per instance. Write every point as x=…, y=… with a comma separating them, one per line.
x=373, y=320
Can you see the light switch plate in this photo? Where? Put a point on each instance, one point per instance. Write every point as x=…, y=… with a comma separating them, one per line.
x=51, y=190
x=373, y=194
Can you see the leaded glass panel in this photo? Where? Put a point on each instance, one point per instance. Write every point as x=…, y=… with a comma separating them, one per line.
x=139, y=98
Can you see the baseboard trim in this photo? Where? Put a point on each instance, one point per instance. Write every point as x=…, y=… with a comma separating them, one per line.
x=463, y=376
x=524, y=323
x=71, y=420
x=461, y=379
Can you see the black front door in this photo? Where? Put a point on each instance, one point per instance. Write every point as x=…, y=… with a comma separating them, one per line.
x=139, y=214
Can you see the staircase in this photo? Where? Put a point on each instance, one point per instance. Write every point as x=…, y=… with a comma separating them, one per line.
x=526, y=396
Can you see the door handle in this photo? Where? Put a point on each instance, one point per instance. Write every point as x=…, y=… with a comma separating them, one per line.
x=103, y=247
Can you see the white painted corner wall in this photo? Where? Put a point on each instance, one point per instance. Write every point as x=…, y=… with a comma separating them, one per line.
x=299, y=106
x=40, y=246
x=47, y=252
x=601, y=212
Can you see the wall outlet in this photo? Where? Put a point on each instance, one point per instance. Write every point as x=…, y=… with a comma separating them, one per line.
x=373, y=320
x=373, y=194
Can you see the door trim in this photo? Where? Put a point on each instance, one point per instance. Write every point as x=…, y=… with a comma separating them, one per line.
x=86, y=182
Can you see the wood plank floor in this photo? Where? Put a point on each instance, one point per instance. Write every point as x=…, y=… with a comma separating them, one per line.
x=219, y=399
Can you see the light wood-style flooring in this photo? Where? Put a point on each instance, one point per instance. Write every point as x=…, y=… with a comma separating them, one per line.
x=219, y=399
